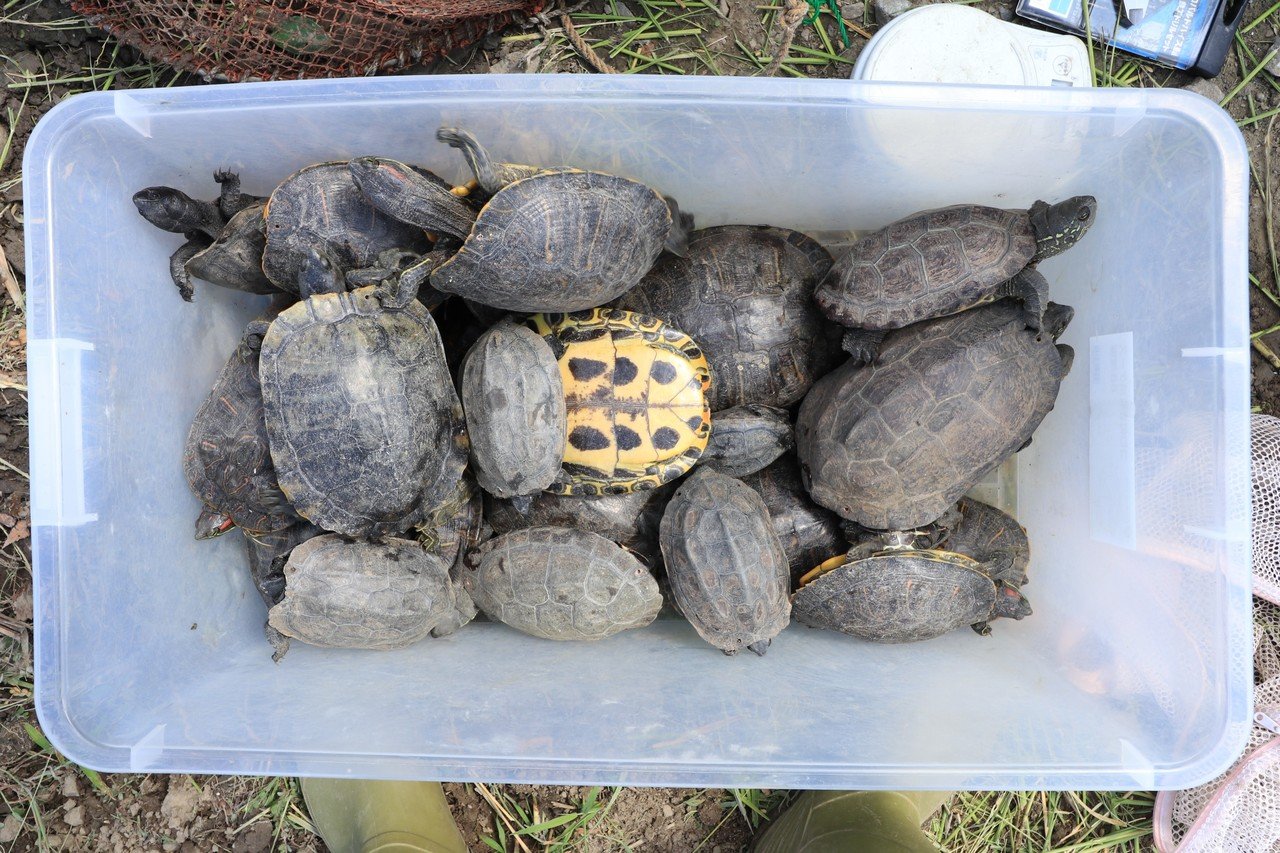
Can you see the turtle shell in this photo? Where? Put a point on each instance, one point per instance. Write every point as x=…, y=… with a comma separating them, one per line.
x=367, y=433
x=367, y=595
x=515, y=407
x=896, y=597
x=234, y=259
x=559, y=583
x=745, y=294
x=727, y=570
x=746, y=438
x=809, y=534
x=930, y=264
x=986, y=534
x=893, y=445
x=559, y=241
x=227, y=460
x=322, y=205
x=636, y=400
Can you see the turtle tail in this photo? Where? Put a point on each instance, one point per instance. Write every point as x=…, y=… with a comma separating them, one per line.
x=487, y=173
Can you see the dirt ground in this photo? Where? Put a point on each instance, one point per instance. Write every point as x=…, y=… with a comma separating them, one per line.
x=47, y=803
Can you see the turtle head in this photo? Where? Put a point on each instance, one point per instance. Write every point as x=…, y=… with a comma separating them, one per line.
x=169, y=209
x=681, y=224
x=1056, y=319
x=317, y=272
x=212, y=524
x=414, y=196
x=1010, y=603
x=1059, y=226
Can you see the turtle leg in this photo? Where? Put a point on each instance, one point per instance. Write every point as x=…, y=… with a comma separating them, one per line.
x=999, y=567
x=681, y=224
x=982, y=629
x=251, y=339
x=863, y=344
x=1032, y=288
x=230, y=201
x=178, y=266
x=760, y=646
x=403, y=289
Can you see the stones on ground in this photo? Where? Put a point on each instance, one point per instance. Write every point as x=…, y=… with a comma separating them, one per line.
x=853, y=11
x=10, y=828
x=70, y=788
x=886, y=10
x=1273, y=65
x=74, y=816
x=1208, y=88
x=180, y=803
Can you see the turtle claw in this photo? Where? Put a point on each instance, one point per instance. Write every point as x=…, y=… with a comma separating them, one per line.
x=863, y=345
x=760, y=646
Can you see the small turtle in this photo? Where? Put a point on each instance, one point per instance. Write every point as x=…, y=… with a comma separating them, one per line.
x=944, y=261
x=268, y=553
x=746, y=438
x=636, y=400
x=991, y=537
x=547, y=240
x=559, y=583
x=809, y=534
x=726, y=567
x=320, y=207
x=515, y=407
x=200, y=222
x=227, y=459
x=458, y=525
x=367, y=432
x=234, y=258
x=745, y=294
x=893, y=445
x=904, y=595
x=367, y=595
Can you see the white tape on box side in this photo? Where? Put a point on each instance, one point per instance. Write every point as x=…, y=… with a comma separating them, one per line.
x=57, y=432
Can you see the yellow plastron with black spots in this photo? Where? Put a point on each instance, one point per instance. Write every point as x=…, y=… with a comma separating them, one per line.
x=636, y=392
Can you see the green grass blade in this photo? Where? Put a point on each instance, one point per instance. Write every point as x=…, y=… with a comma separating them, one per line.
x=548, y=824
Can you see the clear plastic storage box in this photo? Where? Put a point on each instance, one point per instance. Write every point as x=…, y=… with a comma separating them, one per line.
x=1134, y=671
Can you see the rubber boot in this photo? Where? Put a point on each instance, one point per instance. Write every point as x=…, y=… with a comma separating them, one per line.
x=854, y=822
x=370, y=816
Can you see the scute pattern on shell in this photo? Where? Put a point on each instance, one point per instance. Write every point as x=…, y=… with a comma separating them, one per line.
x=983, y=532
x=726, y=567
x=746, y=438
x=367, y=432
x=893, y=445
x=560, y=241
x=744, y=293
x=560, y=583
x=898, y=598
x=931, y=264
x=367, y=595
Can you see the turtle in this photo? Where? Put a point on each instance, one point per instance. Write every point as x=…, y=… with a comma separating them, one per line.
x=727, y=570
x=515, y=407
x=367, y=595
x=320, y=207
x=267, y=554
x=894, y=444
x=457, y=525
x=548, y=240
x=991, y=537
x=636, y=400
x=904, y=596
x=560, y=583
x=200, y=222
x=940, y=262
x=366, y=430
x=227, y=459
x=746, y=438
x=234, y=258
x=810, y=534
x=745, y=294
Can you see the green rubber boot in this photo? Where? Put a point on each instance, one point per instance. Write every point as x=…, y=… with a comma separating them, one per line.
x=370, y=816
x=854, y=822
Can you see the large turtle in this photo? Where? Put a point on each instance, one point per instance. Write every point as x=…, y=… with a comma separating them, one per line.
x=893, y=445
x=515, y=406
x=746, y=438
x=944, y=261
x=745, y=294
x=547, y=240
x=726, y=567
x=636, y=400
x=560, y=583
x=904, y=595
x=367, y=432
x=367, y=595
x=809, y=534
x=227, y=459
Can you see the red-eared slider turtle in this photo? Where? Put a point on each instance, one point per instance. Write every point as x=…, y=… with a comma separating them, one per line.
x=726, y=567
x=227, y=460
x=991, y=537
x=944, y=261
x=367, y=595
x=559, y=583
x=746, y=438
x=234, y=259
x=367, y=432
x=902, y=596
x=745, y=294
x=893, y=445
x=636, y=400
x=458, y=525
x=200, y=222
x=320, y=207
x=556, y=240
x=515, y=406
x=268, y=553
x=809, y=534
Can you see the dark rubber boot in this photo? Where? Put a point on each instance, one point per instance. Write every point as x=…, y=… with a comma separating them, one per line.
x=853, y=822
x=370, y=816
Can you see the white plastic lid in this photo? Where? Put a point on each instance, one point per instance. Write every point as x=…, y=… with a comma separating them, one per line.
x=948, y=43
